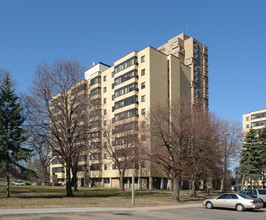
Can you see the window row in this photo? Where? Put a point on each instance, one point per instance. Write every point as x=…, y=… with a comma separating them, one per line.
x=125, y=102
x=125, y=64
x=125, y=127
x=260, y=115
x=129, y=88
x=259, y=123
x=124, y=77
x=126, y=114
x=95, y=80
x=95, y=91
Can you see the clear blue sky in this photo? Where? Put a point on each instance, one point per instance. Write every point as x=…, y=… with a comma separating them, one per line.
x=32, y=31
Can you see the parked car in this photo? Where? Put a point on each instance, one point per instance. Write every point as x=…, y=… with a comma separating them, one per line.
x=256, y=193
x=18, y=182
x=238, y=201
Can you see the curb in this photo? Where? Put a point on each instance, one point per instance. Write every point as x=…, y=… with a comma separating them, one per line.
x=6, y=212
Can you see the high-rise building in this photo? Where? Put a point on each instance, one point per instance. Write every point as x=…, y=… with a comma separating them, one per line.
x=123, y=94
x=195, y=55
x=255, y=120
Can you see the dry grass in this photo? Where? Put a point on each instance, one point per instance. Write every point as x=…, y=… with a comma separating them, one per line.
x=54, y=196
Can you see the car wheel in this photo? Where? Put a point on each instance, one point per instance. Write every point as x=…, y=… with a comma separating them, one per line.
x=209, y=205
x=240, y=208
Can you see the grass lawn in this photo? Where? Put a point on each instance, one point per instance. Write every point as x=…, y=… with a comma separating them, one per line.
x=54, y=196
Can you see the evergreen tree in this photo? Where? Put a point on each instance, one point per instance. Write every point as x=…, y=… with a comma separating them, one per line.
x=250, y=163
x=12, y=134
x=262, y=146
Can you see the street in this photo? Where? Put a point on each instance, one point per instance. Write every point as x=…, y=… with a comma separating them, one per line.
x=175, y=214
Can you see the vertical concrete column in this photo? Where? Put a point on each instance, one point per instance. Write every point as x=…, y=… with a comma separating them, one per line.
x=102, y=182
x=110, y=180
x=150, y=183
x=162, y=183
x=168, y=184
x=139, y=182
x=128, y=183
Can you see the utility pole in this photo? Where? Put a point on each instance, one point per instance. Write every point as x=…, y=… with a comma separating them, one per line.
x=133, y=189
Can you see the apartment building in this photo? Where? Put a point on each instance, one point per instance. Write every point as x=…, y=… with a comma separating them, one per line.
x=123, y=94
x=195, y=55
x=255, y=120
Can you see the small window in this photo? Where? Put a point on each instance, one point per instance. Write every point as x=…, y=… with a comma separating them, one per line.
x=105, y=166
x=104, y=122
x=247, y=118
x=247, y=126
x=143, y=85
x=105, y=156
x=104, y=111
x=143, y=72
x=104, y=101
x=104, y=78
x=143, y=59
x=143, y=98
x=143, y=111
x=104, y=89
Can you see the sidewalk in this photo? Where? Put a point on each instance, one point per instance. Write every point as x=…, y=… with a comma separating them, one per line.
x=4, y=212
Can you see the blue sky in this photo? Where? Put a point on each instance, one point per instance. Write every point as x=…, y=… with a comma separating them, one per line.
x=32, y=31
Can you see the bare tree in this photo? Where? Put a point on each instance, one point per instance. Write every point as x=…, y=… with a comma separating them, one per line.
x=204, y=145
x=58, y=109
x=120, y=143
x=230, y=144
x=183, y=140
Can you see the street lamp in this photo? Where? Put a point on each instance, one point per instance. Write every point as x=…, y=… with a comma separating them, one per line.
x=225, y=161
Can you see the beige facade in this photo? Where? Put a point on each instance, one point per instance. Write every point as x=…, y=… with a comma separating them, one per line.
x=255, y=120
x=195, y=55
x=124, y=93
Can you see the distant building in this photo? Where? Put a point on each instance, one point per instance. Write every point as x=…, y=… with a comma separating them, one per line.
x=255, y=120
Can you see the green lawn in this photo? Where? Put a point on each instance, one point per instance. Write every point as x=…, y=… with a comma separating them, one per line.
x=54, y=196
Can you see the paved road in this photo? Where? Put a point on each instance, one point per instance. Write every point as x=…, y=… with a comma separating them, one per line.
x=181, y=213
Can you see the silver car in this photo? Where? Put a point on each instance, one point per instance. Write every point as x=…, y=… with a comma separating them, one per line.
x=237, y=201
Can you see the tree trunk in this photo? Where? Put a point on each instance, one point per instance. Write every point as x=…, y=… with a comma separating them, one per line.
x=7, y=186
x=68, y=183
x=176, y=188
x=74, y=180
x=193, y=187
x=121, y=181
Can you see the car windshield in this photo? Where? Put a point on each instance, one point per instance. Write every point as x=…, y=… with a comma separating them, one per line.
x=262, y=191
x=245, y=196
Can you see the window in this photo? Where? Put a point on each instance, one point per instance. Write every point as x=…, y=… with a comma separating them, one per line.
x=105, y=166
x=105, y=156
x=104, y=101
x=188, y=60
x=104, y=78
x=104, y=122
x=94, y=156
x=143, y=111
x=247, y=126
x=124, y=77
x=143, y=85
x=143, y=98
x=143, y=72
x=104, y=111
x=143, y=59
x=114, y=166
x=104, y=90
